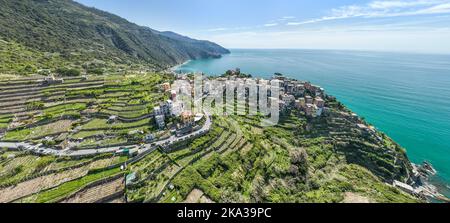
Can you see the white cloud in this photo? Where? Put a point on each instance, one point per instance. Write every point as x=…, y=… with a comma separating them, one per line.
x=270, y=24
x=217, y=29
x=384, y=9
x=442, y=8
x=288, y=17
x=401, y=4
x=383, y=32
x=300, y=23
x=326, y=18
x=297, y=23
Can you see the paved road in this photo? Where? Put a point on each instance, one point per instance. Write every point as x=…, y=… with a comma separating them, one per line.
x=38, y=149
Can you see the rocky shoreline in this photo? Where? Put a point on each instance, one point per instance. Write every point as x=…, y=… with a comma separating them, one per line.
x=422, y=186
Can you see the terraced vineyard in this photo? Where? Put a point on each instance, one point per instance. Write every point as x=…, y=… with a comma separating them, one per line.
x=106, y=190
x=51, y=179
x=75, y=113
x=285, y=163
x=72, y=115
x=301, y=159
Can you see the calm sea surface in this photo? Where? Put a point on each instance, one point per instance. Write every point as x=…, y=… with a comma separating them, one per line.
x=406, y=96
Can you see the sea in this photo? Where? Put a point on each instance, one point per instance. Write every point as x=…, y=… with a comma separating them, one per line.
x=405, y=95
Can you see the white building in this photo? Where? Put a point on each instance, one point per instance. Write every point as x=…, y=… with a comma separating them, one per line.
x=159, y=119
x=299, y=89
x=149, y=138
x=158, y=111
x=288, y=99
x=319, y=102
x=112, y=118
x=309, y=109
x=319, y=110
x=405, y=187
x=308, y=99
x=177, y=109
x=170, y=107
x=173, y=95
x=166, y=107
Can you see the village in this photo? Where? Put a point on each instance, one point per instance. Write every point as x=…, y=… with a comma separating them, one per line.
x=113, y=116
x=294, y=95
x=144, y=124
x=178, y=119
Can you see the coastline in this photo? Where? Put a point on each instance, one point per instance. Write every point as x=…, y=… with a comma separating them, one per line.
x=388, y=99
x=174, y=68
x=431, y=183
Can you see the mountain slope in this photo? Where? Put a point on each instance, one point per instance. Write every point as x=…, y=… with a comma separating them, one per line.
x=82, y=34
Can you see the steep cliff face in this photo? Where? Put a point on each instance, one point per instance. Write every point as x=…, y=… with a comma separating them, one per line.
x=363, y=146
x=68, y=28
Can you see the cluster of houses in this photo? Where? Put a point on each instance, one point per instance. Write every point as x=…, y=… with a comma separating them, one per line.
x=175, y=108
x=309, y=98
x=294, y=94
x=313, y=107
x=301, y=95
x=169, y=108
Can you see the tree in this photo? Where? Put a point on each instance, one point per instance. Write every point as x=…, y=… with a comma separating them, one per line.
x=257, y=191
x=69, y=72
x=96, y=71
x=299, y=161
x=29, y=69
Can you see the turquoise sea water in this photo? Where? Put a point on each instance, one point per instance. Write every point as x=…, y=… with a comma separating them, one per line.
x=406, y=96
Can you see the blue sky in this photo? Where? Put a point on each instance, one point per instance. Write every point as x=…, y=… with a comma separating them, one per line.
x=386, y=25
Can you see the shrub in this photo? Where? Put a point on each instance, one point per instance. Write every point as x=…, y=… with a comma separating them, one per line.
x=96, y=71
x=70, y=72
x=35, y=105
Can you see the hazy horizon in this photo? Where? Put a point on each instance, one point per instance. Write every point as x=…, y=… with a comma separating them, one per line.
x=421, y=26
x=351, y=50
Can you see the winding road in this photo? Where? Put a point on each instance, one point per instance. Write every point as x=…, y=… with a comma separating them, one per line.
x=38, y=149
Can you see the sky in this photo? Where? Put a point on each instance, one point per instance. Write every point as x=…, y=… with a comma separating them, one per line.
x=382, y=25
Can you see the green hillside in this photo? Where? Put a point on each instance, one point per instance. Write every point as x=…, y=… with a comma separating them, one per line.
x=323, y=159
x=88, y=38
